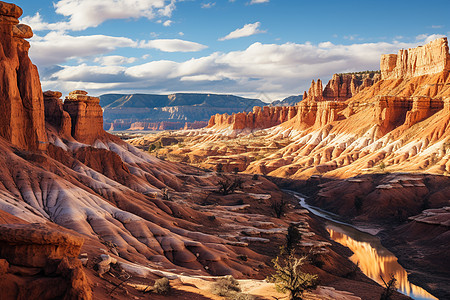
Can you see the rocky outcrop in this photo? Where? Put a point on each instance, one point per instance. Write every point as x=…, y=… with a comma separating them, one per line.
x=37, y=262
x=259, y=118
x=22, y=106
x=86, y=115
x=34, y=246
x=55, y=114
x=343, y=86
x=429, y=59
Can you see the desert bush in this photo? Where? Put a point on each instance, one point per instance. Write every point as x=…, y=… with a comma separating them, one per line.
x=227, y=186
x=290, y=278
x=255, y=177
x=162, y=286
x=242, y=257
x=279, y=206
x=226, y=286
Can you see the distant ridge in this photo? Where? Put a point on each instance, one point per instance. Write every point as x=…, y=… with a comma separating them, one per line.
x=126, y=111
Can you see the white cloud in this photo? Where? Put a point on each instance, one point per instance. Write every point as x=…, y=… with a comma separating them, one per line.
x=83, y=14
x=426, y=38
x=259, y=1
x=270, y=68
x=181, y=33
x=437, y=26
x=58, y=47
x=167, y=23
x=247, y=30
x=172, y=45
x=114, y=60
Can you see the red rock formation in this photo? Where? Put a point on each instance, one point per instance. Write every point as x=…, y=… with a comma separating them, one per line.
x=22, y=106
x=55, y=114
x=260, y=118
x=429, y=59
x=86, y=115
x=343, y=86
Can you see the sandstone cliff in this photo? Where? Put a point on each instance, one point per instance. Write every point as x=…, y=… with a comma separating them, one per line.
x=259, y=118
x=341, y=86
x=22, y=106
x=431, y=58
x=86, y=115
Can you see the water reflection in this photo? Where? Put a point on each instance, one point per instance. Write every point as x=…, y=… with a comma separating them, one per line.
x=375, y=260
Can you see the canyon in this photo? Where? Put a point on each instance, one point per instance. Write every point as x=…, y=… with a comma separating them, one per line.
x=85, y=215
x=372, y=148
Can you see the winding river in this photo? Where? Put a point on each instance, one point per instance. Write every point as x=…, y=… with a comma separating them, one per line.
x=373, y=259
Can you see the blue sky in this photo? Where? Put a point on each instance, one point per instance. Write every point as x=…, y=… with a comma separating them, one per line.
x=268, y=49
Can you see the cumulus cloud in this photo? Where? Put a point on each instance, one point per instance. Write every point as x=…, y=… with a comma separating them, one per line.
x=114, y=60
x=83, y=14
x=58, y=47
x=274, y=69
x=247, y=30
x=426, y=38
x=172, y=45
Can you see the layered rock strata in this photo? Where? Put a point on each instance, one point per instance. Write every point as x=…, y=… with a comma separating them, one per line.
x=86, y=115
x=259, y=118
x=431, y=58
x=55, y=114
x=341, y=86
x=22, y=105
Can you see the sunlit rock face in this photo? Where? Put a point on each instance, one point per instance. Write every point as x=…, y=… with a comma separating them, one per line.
x=21, y=105
x=431, y=58
x=86, y=115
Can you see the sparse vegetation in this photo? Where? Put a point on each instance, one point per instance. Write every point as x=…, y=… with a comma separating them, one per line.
x=228, y=186
x=290, y=278
x=162, y=286
x=219, y=168
x=228, y=287
x=382, y=166
x=255, y=177
x=293, y=238
x=279, y=206
x=390, y=288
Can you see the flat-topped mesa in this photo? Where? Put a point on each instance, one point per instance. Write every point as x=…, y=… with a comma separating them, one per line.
x=86, y=115
x=22, y=106
x=429, y=59
x=259, y=118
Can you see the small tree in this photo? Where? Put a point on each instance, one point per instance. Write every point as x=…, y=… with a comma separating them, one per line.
x=290, y=278
x=390, y=287
x=382, y=166
x=293, y=237
x=279, y=206
x=228, y=186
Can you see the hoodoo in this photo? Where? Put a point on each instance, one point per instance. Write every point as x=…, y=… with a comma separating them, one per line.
x=22, y=105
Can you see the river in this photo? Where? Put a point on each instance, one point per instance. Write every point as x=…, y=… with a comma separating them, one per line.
x=373, y=259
